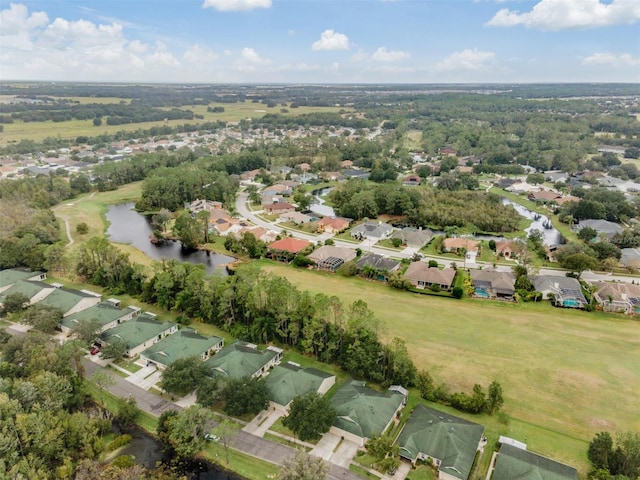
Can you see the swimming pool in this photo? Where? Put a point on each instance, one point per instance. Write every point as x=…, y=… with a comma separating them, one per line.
x=570, y=302
x=481, y=292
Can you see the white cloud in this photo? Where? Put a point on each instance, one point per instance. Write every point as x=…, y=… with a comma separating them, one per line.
x=331, y=40
x=199, y=55
x=236, y=5
x=470, y=60
x=250, y=60
x=384, y=55
x=612, y=60
x=568, y=14
x=15, y=19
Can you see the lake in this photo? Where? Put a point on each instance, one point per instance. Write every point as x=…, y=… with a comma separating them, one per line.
x=550, y=236
x=128, y=226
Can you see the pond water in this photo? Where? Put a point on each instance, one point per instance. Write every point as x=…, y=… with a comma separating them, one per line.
x=318, y=207
x=128, y=226
x=550, y=236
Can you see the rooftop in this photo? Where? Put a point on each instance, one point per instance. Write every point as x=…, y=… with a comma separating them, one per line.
x=287, y=381
x=27, y=288
x=186, y=342
x=65, y=299
x=103, y=312
x=137, y=331
x=515, y=463
x=289, y=244
x=12, y=275
x=452, y=440
x=239, y=359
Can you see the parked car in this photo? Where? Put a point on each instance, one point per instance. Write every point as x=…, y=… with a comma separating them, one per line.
x=212, y=438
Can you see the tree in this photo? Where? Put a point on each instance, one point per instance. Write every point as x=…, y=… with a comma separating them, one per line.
x=87, y=329
x=97, y=122
x=128, y=412
x=381, y=448
x=310, y=416
x=425, y=384
x=303, y=467
x=586, y=234
x=494, y=399
x=225, y=431
x=209, y=391
x=183, y=375
x=82, y=228
x=14, y=302
x=188, y=230
x=579, y=262
x=103, y=380
x=161, y=219
x=245, y=395
x=600, y=450
x=42, y=317
x=186, y=430
x=535, y=178
x=116, y=348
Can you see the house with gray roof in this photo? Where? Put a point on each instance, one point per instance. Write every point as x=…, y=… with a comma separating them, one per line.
x=186, y=342
x=604, y=227
x=70, y=301
x=630, y=257
x=450, y=442
x=513, y=463
x=33, y=290
x=289, y=380
x=379, y=265
x=490, y=283
x=620, y=297
x=562, y=291
x=372, y=231
x=139, y=333
x=331, y=258
x=242, y=359
x=421, y=275
x=414, y=237
x=10, y=276
x=363, y=412
x=108, y=314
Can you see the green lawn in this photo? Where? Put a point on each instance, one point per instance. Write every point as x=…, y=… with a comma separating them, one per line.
x=245, y=465
x=566, y=374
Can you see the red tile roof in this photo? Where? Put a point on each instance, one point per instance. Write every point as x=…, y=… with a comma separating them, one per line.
x=289, y=244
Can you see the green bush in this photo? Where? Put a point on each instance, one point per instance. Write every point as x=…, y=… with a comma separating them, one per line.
x=125, y=461
x=119, y=441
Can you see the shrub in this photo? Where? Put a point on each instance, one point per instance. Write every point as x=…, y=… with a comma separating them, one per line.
x=119, y=441
x=82, y=228
x=458, y=292
x=433, y=263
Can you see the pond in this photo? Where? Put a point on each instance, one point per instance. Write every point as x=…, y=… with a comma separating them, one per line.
x=128, y=226
x=318, y=207
x=550, y=236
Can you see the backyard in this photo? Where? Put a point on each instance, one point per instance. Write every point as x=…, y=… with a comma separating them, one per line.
x=566, y=374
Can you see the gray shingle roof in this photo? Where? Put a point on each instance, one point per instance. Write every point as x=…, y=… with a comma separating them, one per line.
x=377, y=261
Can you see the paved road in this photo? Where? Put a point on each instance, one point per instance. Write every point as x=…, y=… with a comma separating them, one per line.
x=241, y=207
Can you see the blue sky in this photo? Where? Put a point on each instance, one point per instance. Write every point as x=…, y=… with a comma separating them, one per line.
x=321, y=41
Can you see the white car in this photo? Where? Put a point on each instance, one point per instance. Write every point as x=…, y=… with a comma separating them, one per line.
x=212, y=438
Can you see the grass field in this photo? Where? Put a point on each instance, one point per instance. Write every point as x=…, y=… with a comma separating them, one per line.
x=14, y=132
x=413, y=140
x=566, y=374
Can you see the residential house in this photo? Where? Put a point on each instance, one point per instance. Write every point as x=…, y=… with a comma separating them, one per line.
x=279, y=208
x=555, y=176
x=414, y=237
x=505, y=183
x=296, y=218
x=379, y=265
x=226, y=225
x=618, y=296
x=363, y=412
x=544, y=196
x=353, y=173
x=420, y=275
x=285, y=249
x=70, y=301
x=289, y=380
x=346, y=164
x=260, y=233
x=331, y=258
x=305, y=178
x=203, y=205
x=185, y=343
x=562, y=291
x=513, y=462
x=630, y=257
x=270, y=199
x=331, y=176
x=450, y=442
x=249, y=176
x=242, y=359
x=333, y=224
x=411, y=180
x=462, y=246
x=566, y=199
x=522, y=187
x=277, y=189
x=107, y=314
x=372, y=231
x=33, y=290
x=447, y=152
x=304, y=167
x=507, y=249
x=604, y=227
x=139, y=333
x=10, y=276
x=491, y=283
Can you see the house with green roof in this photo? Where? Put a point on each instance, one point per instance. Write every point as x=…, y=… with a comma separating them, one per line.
x=450, y=442
x=10, y=276
x=289, y=380
x=107, y=313
x=139, y=333
x=363, y=412
x=512, y=462
x=70, y=301
x=35, y=291
x=242, y=359
x=186, y=342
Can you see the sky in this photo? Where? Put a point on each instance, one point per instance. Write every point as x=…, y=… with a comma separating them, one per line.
x=321, y=41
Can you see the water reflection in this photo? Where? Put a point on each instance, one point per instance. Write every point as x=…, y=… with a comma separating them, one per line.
x=550, y=236
x=128, y=226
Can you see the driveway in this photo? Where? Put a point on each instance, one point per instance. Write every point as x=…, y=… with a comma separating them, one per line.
x=262, y=422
